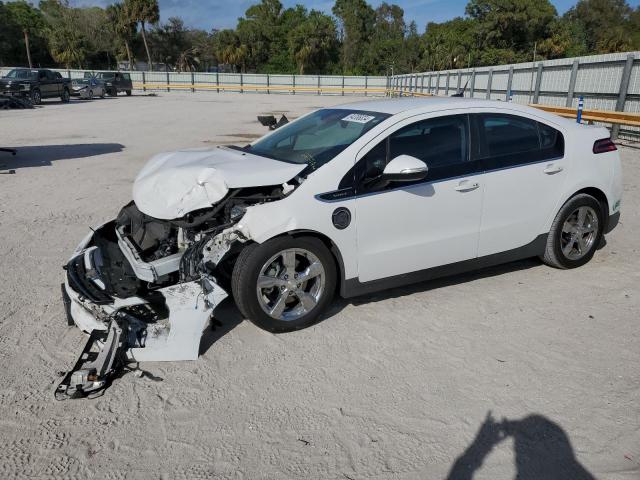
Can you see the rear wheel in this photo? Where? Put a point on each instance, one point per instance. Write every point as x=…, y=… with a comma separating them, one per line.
x=65, y=97
x=128, y=93
x=575, y=233
x=285, y=283
x=90, y=94
x=113, y=92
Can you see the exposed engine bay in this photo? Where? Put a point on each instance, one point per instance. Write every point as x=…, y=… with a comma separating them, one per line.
x=144, y=288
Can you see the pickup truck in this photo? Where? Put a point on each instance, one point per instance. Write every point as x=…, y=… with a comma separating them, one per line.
x=114, y=82
x=37, y=84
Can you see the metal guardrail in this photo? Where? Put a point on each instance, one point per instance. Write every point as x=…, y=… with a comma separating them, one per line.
x=258, y=88
x=603, y=116
x=608, y=82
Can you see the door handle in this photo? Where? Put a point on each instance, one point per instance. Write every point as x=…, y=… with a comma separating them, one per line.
x=466, y=186
x=551, y=169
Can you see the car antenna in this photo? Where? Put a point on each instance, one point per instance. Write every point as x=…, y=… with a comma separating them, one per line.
x=460, y=93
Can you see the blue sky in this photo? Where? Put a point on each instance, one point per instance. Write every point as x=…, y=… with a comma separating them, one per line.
x=208, y=14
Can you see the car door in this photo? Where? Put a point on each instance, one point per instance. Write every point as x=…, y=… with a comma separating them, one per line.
x=407, y=227
x=45, y=84
x=525, y=168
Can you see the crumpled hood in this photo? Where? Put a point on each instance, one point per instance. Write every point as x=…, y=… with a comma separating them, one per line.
x=173, y=184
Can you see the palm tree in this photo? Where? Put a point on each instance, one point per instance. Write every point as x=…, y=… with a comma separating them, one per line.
x=144, y=11
x=29, y=19
x=188, y=60
x=122, y=26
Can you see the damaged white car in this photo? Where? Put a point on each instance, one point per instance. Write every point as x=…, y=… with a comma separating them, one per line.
x=349, y=199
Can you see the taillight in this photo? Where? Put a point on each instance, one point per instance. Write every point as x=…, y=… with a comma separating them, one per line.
x=604, y=145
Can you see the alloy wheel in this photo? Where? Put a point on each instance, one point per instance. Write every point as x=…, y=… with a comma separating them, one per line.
x=579, y=232
x=290, y=284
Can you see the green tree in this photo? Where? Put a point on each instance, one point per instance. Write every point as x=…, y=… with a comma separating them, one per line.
x=607, y=24
x=513, y=25
x=29, y=19
x=123, y=27
x=144, y=11
x=313, y=43
x=357, y=19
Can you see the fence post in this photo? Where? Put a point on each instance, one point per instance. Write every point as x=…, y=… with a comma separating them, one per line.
x=438, y=83
x=217, y=81
x=319, y=91
x=192, y=83
x=622, y=92
x=459, y=81
x=293, y=82
x=343, y=85
x=489, y=80
x=241, y=83
x=268, y=85
x=366, y=84
x=446, y=85
x=69, y=74
x=473, y=83
x=168, y=88
x=572, y=82
x=536, y=92
x=509, y=84
x=144, y=83
x=580, y=107
x=429, y=84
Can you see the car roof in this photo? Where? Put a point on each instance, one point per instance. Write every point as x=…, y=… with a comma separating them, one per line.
x=431, y=104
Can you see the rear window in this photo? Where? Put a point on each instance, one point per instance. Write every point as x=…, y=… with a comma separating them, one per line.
x=508, y=140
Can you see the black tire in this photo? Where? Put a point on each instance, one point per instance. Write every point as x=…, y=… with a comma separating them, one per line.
x=113, y=92
x=554, y=255
x=65, y=97
x=245, y=275
x=128, y=93
x=90, y=94
x=36, y=97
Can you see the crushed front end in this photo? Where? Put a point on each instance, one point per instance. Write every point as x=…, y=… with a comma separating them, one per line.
x=144, y=288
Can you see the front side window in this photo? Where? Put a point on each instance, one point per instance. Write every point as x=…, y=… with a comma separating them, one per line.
x=510, y=140
x=317, y=138
x=442, y=143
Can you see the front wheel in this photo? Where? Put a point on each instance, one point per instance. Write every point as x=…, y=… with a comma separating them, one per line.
x=36, y=98
x=575, y=233
x=128, y=93
x=65, y=96
x=285, y=283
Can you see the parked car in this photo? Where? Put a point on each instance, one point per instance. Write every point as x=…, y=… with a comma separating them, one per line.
x=114, y=81
x=37, y=84
x=87, y=88
x=350, y=199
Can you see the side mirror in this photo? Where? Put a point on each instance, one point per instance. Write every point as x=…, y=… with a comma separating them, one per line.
x=405, y=168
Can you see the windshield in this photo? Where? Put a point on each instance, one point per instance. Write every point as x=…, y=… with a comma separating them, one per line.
x=84, y=81
x=22, y=74
x=105, y=75
x=318, y=137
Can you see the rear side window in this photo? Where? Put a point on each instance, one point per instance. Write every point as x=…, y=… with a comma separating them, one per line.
x=510, y=140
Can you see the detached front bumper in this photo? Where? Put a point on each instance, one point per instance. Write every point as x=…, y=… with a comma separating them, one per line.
x=164, y=326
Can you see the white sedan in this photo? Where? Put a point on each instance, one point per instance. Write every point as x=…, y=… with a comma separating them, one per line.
x=349, y=200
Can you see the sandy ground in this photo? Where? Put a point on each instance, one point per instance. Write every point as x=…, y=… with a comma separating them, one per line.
x=512, y=370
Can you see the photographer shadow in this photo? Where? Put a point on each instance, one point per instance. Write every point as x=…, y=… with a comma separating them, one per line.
x=542, y=450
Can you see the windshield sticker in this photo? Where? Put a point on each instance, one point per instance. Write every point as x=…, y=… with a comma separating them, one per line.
x=358, y=118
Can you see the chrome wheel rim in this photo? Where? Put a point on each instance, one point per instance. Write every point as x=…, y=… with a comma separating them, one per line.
x=290, y=284
x=579, y=233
